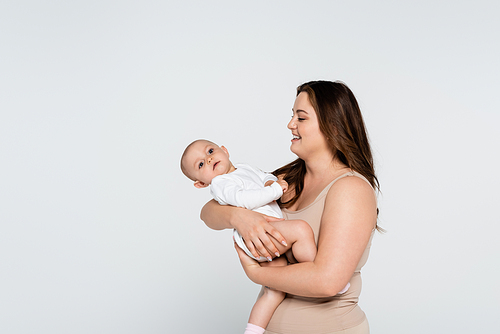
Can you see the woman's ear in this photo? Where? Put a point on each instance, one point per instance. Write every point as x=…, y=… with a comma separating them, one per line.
x=199, y=184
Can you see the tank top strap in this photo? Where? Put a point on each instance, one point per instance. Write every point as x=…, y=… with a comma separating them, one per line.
x=350, y=173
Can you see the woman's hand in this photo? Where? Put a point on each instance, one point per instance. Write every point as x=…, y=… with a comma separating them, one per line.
x=254, y=227
x=256, y=230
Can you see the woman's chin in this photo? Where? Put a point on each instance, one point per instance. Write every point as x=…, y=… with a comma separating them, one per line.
x=294, y=149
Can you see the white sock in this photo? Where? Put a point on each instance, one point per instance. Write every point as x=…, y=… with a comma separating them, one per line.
x=254, y=329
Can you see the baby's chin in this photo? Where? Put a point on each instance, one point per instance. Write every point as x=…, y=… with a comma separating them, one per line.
x=219, y=173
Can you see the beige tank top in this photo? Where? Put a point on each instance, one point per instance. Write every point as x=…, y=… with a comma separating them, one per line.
x=299, y=315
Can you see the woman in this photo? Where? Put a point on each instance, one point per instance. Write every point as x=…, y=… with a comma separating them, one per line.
x=332, y=187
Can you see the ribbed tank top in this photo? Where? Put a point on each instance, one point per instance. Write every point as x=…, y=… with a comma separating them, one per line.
x=299, y=315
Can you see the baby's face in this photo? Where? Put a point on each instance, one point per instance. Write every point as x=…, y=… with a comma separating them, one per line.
x=205, y=160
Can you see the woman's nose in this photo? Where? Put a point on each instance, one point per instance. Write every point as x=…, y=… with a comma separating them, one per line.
x=291, y=124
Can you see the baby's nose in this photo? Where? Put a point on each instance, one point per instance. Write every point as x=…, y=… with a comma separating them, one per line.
x=209, y=161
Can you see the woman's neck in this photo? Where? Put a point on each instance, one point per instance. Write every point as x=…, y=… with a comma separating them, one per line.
x=324, y=167
x=320, y=171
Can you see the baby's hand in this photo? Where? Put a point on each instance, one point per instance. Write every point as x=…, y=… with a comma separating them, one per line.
x=268, y=183
x=283, y=184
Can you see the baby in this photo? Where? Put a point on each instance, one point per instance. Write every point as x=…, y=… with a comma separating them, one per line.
x=240, y=185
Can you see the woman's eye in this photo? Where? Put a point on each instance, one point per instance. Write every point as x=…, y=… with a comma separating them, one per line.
x=210, y=151
x=200, y=165
x=301, y=119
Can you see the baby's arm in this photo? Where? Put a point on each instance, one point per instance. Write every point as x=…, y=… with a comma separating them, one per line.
x=233, y=193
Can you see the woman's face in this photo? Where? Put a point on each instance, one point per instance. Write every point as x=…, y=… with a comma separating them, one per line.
x=307, y=138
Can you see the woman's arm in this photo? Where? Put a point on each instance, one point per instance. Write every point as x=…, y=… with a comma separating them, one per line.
x=254, y=227
x=216, y=216
x=348, y=219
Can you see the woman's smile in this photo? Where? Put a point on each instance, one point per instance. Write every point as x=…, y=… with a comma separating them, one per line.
x=307, y=138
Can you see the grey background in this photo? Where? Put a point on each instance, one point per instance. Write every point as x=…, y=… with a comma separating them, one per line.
x=99, y=230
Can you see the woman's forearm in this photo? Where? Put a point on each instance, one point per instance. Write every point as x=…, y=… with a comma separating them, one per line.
x=307, y=279
x=318, y=284
x=215, y=216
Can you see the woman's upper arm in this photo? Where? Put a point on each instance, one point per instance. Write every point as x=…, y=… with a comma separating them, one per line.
x=349, y=216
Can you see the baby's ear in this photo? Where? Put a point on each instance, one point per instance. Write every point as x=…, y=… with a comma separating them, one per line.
x=225, y=150
x=199, y=184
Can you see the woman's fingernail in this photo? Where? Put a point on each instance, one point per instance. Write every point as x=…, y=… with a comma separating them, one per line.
x=277, y=254
x=269, y=259
x=284, y=243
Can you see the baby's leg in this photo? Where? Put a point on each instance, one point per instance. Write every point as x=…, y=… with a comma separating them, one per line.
x=300, y=239
x=265, y=306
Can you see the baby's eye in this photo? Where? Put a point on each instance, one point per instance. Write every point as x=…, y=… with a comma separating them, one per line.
x=210, y=151
x=200, y=165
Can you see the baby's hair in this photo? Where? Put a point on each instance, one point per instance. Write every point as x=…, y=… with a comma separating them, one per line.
x=183, y=168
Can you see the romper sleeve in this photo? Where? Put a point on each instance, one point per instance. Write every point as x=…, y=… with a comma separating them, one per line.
x=231, y=192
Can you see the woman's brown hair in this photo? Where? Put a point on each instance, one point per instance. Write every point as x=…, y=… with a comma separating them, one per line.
x=341, y=122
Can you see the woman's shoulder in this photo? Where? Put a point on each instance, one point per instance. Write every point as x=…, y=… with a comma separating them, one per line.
x=352, y=187
x=352, y=197
x=351, y=179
